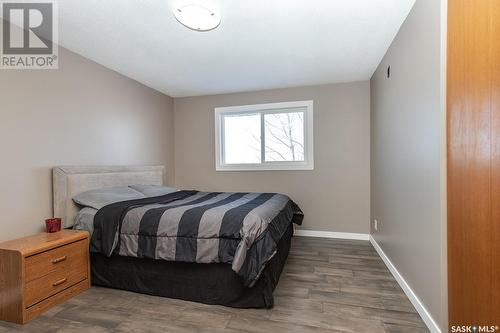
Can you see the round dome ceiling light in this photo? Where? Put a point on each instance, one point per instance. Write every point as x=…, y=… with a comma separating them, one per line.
x=197, y=17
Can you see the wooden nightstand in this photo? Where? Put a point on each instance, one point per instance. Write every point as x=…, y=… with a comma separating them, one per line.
x=41, y=271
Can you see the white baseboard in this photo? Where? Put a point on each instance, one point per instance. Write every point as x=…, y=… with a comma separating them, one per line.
x=331, y=234
x=419, y=306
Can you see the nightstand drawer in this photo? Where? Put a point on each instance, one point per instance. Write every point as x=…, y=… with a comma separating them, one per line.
x=62, y=259
x=49, y=285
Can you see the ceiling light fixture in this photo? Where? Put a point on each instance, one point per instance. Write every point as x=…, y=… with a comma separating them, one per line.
x=197, y=17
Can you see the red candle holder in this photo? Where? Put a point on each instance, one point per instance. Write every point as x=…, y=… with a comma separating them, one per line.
x=53, y=225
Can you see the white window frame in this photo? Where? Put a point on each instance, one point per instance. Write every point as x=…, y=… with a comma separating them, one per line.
x=307, y=164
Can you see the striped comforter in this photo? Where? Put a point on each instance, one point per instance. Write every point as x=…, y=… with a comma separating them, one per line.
x=241, y=229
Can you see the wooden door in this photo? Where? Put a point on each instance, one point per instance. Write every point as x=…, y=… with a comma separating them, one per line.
x=473, y=106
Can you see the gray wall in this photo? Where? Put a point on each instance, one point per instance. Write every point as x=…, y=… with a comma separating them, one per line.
x=407, y=175
x=335, y=196
x=79, y=114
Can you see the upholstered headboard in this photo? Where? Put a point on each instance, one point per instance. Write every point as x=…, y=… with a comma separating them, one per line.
x=69, y=181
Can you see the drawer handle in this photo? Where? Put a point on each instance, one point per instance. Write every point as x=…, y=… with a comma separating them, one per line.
x=58, y=260
x=59, y=282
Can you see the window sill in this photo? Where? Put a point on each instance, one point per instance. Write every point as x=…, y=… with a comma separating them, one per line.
x=300, y=167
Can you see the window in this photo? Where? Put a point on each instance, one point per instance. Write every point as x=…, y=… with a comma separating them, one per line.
x=276, y=136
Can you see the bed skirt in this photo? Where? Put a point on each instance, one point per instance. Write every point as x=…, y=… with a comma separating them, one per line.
x=205, y=283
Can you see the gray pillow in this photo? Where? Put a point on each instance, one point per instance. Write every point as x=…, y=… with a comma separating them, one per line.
x=84, y=220
x=153, y=190
x=105, y=196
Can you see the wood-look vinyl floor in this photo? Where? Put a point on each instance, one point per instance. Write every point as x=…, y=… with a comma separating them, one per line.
x=327, y=286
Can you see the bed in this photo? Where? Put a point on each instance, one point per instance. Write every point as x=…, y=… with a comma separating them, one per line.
x=242, y=271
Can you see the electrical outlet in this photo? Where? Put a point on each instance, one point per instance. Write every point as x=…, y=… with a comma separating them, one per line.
x=375, y=225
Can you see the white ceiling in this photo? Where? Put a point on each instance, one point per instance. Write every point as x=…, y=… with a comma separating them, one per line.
x=260, y=44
